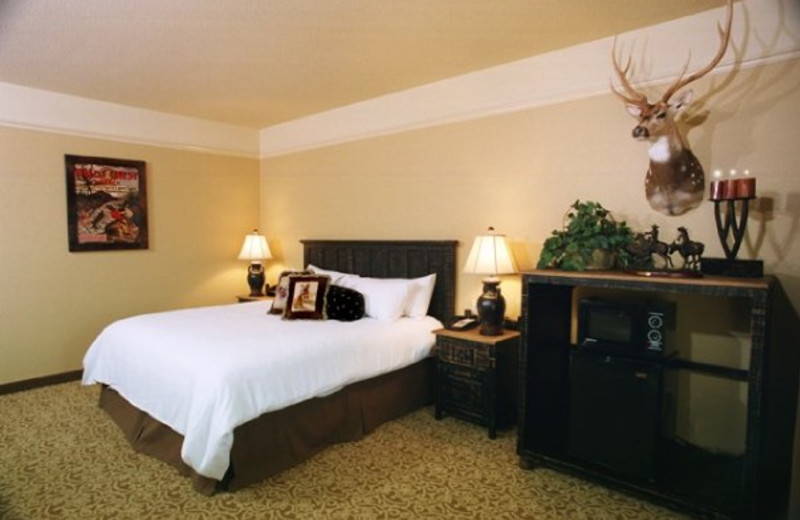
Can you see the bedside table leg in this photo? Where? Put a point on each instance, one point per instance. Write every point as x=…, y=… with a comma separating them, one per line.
x=437, y=408
x=491, y=403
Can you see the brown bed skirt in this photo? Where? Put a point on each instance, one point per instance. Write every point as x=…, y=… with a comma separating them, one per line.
x=279, y=440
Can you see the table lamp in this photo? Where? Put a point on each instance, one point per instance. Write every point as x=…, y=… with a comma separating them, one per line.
x=490, y=254
x=255, y=249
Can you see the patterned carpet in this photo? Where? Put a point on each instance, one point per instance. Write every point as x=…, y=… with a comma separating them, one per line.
x=62, y=457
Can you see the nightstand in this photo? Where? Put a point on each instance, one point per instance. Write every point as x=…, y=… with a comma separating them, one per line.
x=247, y=298
x=477, y=376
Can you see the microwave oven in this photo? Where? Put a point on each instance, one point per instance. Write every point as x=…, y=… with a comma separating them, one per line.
x=643, y=329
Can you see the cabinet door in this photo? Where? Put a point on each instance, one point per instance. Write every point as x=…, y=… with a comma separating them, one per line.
x=614, y=413
x=544, y=375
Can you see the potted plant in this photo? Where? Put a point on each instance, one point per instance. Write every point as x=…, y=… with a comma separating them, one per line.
x=590, y=239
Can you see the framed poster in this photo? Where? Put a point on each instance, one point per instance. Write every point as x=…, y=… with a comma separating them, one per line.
x=106, y=203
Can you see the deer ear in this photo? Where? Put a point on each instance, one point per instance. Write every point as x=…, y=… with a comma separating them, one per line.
x=634, y=110
x=682, y=100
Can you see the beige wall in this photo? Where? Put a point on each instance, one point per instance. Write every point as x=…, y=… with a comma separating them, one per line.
x=53, y=302
x=519, y=172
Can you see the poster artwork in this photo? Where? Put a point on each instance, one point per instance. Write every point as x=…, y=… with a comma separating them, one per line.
x=106, y=204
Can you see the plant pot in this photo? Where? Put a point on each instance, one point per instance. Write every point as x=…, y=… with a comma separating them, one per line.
x=600, y=260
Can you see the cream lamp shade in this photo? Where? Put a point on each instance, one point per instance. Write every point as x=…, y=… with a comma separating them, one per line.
x=255, y=249
x=490, y=254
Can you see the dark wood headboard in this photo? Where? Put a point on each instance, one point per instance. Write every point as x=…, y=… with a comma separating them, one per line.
x=393, y=259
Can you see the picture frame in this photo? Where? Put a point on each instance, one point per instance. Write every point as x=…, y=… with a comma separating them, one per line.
x=306, y=297
x=106, y=203
x=281, y=291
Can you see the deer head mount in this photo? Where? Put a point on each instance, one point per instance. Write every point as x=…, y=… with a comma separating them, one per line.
x=675, y=182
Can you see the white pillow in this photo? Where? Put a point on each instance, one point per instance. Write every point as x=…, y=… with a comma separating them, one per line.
x=419, y=298
x=386, y=293
x=384, y=299
x=337, y=278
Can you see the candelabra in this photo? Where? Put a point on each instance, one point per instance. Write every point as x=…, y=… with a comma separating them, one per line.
x=728, y=224
x=731, y=198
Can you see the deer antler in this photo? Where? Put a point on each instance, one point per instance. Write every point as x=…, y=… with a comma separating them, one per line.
x=724, y=38
x=631, y=95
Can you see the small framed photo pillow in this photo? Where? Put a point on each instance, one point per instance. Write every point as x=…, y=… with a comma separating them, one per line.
x=306, y=297
x=282, y=292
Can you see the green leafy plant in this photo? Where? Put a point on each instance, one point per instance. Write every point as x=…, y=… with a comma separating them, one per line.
x=590, y=239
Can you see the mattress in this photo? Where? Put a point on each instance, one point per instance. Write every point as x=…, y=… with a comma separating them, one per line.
x=205, y=371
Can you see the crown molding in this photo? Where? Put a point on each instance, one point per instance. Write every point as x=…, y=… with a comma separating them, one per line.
x=34, y=109
x=762, y=34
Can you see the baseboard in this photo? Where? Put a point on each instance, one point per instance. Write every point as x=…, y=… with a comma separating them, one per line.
x=30, y=384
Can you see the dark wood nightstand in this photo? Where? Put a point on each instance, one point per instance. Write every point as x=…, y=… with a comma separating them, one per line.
x=247, y=298
x=477, y=376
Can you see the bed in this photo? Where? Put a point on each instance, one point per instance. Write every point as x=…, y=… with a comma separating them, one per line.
x=281, y=438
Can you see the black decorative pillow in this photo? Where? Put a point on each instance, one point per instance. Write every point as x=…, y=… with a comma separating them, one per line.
x=344, y=304
x=306, y=297
x=282, y=292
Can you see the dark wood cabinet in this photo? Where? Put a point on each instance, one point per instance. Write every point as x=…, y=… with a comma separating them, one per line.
x=477, y=377
x=559, y=382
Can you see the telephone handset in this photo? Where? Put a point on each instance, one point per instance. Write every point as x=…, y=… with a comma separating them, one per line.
x=464, y=323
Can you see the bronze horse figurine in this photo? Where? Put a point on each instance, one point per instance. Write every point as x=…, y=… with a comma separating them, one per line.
x=647, y=244
x=690, y=251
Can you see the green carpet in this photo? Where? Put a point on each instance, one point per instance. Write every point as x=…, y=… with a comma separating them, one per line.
x=62, y=457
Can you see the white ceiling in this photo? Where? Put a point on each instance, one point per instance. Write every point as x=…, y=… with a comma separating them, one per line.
x=256, y=63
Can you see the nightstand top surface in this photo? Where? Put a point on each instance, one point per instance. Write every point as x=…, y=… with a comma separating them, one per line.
x=248, y=298
x=474, y=335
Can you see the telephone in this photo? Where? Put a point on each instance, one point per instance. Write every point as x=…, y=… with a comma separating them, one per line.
x=463, y=322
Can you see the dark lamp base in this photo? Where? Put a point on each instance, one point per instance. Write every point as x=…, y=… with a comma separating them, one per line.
x=256, y=279
x=491, y=309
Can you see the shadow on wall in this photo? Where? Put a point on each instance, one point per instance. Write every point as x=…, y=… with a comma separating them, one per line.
x=526, y=254
x=766, y=210
x=754, y=96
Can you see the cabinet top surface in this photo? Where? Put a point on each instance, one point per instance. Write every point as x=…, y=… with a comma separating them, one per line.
x=633, y=280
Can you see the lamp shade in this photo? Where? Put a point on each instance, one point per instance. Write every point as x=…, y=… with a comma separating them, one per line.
x=255, y=247
x=490, y=254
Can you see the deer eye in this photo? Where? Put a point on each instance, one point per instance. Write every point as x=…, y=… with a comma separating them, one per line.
x=661, y=115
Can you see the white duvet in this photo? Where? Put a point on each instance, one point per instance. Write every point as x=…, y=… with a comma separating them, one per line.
x=205, y=371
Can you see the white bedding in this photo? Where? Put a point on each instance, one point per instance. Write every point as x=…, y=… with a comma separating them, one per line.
x=205, y=371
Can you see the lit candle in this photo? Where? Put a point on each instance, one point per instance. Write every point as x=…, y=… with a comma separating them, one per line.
x=716, y=187
x=746, y=186
x=729, y=187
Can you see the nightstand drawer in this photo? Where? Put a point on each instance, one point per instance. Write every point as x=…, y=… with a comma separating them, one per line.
x=464, y=388
x=463, y=353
